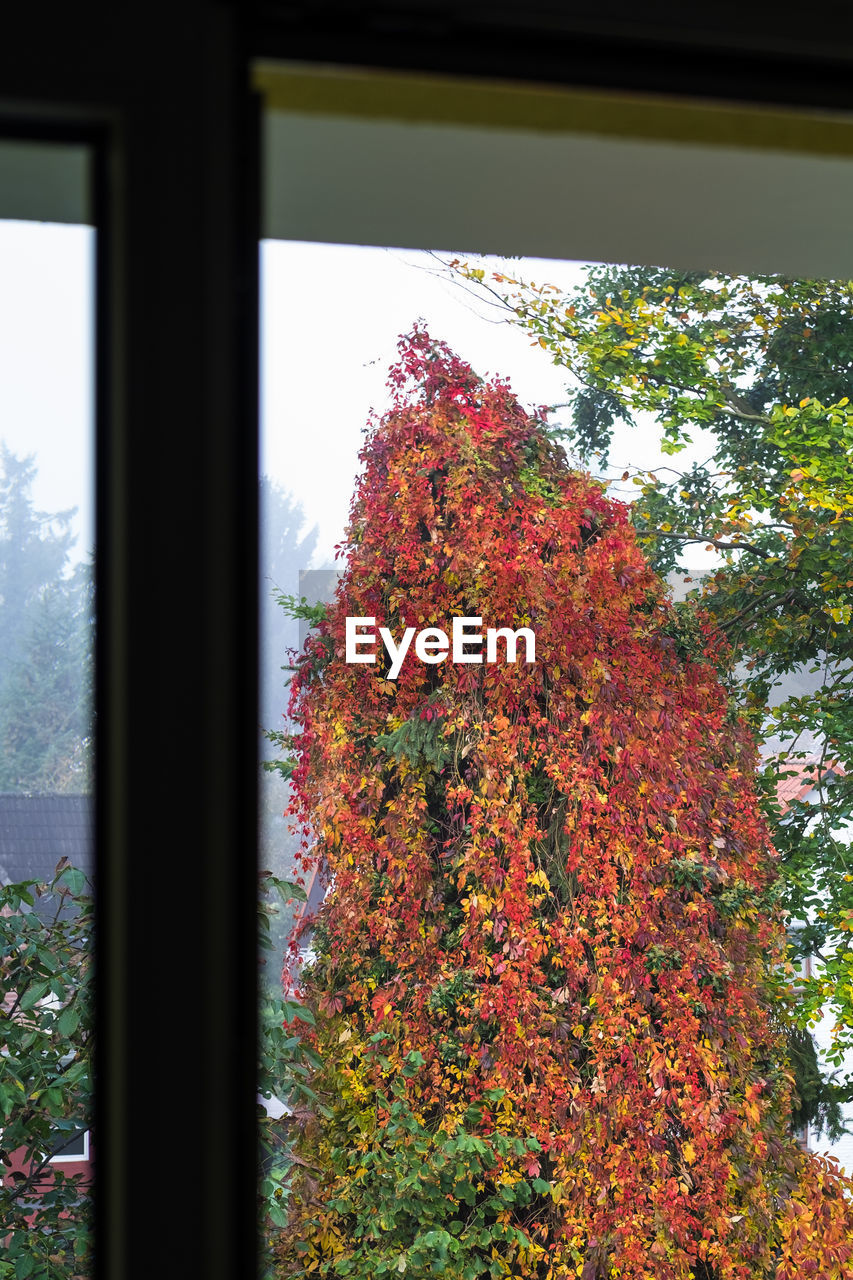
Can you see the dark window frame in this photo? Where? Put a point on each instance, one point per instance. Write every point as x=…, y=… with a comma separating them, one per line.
x=162, y=94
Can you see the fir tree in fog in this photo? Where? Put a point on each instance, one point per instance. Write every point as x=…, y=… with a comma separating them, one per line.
x=46, y=642
x=286, y=547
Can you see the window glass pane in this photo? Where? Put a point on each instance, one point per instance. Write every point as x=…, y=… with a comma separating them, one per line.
x=72, y=1145
x=706, y=403
x=46, y=711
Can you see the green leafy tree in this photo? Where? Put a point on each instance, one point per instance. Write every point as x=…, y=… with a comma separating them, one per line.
x=46, y=1084
x=765, y=366
x=45, y=1074
x=285, y=1066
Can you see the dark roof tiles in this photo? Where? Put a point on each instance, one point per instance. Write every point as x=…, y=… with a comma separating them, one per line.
x=37, y=830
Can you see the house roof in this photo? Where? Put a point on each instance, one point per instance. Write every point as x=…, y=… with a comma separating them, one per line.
x=316, y=891
x=37, y=830
x=803, y=779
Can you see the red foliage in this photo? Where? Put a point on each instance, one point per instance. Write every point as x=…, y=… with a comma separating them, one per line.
x=551, y=883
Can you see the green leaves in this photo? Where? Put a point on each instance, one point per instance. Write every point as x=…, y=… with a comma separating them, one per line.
x=68, y=1022
x=45, y=1082
x=299, y=607
x=73, y=880
x=420, y=741
x=414, y=1061
x=427, y=1203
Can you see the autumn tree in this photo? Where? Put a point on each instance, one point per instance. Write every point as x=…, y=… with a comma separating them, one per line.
x=764, y=367
x=548, y=990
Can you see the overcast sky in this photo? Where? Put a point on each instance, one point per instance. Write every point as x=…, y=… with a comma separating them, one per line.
x=331, y=317
x=46, y=360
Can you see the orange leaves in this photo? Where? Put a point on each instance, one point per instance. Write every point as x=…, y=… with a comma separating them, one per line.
x=817, y=1224
x=550, y=906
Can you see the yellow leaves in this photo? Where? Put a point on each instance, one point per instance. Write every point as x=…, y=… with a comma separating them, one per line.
x=688, y=1151
x=330, y=1240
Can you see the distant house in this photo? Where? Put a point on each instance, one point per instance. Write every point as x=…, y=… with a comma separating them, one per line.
x=36, y=832
x=805, y=776
x=301, y=930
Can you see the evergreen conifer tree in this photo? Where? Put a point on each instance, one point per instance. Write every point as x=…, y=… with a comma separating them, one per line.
x=46, y=642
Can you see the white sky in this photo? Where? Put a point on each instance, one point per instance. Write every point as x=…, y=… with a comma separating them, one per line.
x=330, y=319
x=46, y=361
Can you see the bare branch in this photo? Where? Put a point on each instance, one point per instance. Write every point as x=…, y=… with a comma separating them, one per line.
x=714, y=542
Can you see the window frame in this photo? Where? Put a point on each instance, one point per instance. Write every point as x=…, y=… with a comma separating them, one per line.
x=72, y=1158
x=174, y=127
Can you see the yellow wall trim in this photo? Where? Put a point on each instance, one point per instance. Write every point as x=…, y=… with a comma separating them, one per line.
x=433, y=99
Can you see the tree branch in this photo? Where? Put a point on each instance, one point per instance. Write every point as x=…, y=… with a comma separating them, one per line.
x=714, y=542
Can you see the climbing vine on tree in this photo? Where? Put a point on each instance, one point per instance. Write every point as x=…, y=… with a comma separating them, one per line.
x=764, y=366
x=548, y=990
